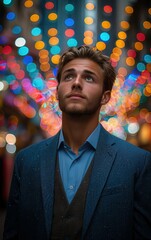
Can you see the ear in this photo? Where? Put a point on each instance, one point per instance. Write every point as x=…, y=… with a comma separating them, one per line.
x=106, y=97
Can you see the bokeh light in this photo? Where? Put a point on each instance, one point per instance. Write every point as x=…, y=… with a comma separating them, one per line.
x=69, y=7
x=69, y=22
x=34, y=18
x=108, y=9
x=88, y=20
x=31, y=48
x=89, y=6
x=52, y=16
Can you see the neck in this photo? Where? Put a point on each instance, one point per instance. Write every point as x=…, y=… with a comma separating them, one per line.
x=77, y=129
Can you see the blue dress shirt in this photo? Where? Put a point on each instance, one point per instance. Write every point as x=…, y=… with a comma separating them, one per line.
x=73, y=167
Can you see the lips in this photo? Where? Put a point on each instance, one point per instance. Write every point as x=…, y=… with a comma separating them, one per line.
x=75, y=95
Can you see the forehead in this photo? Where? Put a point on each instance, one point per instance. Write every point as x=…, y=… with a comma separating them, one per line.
x=82, y=64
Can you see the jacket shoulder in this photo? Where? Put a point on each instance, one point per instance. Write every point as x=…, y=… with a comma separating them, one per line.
x=35, y=148
x=124, y=146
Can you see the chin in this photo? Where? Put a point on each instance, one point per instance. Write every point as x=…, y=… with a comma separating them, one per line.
x=75, y=112
x=79, y=112
x=72, y=109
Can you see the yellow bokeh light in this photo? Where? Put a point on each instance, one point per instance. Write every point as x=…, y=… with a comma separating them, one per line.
x=135, y=97
x=122, y=35
x=106, y=24
x=34, y=18
x=89, y=6
x=88, y=40
x=43, y=53
x=10, y=139
x=124, y=24
x=45, y=67
x=28, y=3
x=129, y=9
x=146, y=93
x=149, y=11
x=117, y=50
x=52, y=16
x=53, y=41
x=100, y=46
x=52, y=32
x=146, y=24
x=138, y=46
x=88, y=20
x=130, y=61
x=145, y=133
x=148, y=88
x=113, y=121
x=114, y=57
x=44, y=60
x=55, y=59
x=120, y=43
x=39, y=45
x=88, y=33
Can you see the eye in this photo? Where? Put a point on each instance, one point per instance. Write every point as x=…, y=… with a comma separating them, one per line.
x=68, y=77
x=89, y=78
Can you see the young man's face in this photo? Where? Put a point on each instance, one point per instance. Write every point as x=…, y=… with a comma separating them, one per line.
x=80, y=91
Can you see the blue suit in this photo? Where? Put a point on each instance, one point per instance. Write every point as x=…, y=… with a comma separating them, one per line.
x=118, y=202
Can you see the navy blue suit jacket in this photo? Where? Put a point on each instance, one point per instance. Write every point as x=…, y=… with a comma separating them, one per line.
x=118, y=202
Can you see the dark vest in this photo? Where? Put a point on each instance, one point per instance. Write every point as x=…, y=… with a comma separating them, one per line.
x=68, y=218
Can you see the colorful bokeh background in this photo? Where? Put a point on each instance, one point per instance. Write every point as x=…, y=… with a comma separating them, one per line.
x=33, y=35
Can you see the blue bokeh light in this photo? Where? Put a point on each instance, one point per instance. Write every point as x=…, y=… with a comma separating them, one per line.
x=38, y=83
x=104, y=36
x=147, y=58
x=69, y=22
x=7, y=2
x=72, y=42
x=23, y=51
x=36, y=31
x=55, y=50
x=10, y=78
x=16, y=30
x=27, y=59
x=31, y=67
x=11, y=16
x=69, y=7
x=141, y=67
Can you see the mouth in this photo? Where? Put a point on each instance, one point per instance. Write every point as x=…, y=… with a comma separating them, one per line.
x=75, y=96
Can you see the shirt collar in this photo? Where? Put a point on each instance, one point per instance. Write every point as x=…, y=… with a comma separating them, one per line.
x=92, y=139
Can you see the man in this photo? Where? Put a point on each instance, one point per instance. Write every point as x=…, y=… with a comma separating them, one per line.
x=83, y=183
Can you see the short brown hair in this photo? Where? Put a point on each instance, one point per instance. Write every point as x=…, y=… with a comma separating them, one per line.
x=94, y=55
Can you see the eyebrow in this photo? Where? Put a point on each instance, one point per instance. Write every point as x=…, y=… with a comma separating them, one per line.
x=73, y=70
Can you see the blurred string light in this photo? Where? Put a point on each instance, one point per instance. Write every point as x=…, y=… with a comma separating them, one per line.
x=21, y=73
x=8, y=140
x=105, y=27
x=90, y=23
x=69, y=26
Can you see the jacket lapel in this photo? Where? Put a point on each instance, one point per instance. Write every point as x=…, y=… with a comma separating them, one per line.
x=48, y=160
x=103, y=161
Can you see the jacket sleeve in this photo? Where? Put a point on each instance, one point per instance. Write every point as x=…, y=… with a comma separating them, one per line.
x=142, y=204
x=11, y=220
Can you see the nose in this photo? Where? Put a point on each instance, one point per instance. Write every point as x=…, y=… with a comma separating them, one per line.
x=77, y=83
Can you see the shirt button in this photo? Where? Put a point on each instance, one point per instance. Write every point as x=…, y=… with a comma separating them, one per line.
x=71, y=187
